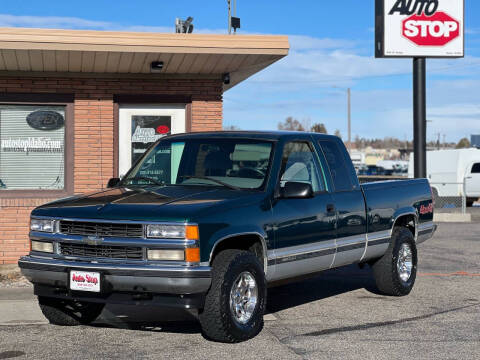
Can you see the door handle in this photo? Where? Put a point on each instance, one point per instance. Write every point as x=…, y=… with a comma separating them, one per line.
x=330, y=208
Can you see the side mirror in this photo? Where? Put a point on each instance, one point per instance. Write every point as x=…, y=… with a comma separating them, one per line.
x=113, y=182
x=296, y=190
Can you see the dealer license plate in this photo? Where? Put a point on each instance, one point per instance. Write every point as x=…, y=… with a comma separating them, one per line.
x=84, y=281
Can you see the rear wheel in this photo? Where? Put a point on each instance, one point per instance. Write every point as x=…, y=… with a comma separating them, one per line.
x=235, y=302
x=395, y=272
x=68, y=312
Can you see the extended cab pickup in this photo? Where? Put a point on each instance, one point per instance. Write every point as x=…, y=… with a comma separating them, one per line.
x=206, y=221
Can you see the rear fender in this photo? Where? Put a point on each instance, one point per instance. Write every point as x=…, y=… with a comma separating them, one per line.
x=401, y=213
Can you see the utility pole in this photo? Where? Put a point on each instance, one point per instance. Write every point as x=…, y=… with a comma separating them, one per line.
x=349, y=114
x=349, y=101
x=233, y=21
x=229, y=17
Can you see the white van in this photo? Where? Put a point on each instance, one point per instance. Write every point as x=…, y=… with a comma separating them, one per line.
x=448, y=169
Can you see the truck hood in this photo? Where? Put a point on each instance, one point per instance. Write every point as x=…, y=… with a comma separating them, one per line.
x=147, y=203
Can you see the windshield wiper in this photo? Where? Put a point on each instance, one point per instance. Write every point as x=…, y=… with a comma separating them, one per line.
x=146, y=179
x=210, y=179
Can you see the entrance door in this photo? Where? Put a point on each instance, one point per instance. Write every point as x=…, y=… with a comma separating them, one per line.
x=140, y=126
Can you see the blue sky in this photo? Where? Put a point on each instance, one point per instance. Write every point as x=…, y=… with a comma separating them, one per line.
x=331, y=49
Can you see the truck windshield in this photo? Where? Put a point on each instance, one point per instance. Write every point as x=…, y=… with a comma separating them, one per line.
x=231, y=163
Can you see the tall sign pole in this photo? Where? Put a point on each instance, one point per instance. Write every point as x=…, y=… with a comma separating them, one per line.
x=419, y=117
x=349, y=110
x=419, y=29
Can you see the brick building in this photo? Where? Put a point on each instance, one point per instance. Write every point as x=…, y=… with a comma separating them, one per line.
x=77, y=107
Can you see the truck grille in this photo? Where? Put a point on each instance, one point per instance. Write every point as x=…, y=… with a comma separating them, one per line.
x=87, y=228
x=102, y=251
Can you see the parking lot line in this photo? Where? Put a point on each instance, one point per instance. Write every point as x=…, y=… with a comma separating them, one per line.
x=458, y=273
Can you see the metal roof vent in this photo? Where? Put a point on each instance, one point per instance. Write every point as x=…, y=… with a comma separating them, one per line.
x=184, y=26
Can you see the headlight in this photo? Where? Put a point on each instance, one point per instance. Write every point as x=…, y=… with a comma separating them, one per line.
x=42, y=246
x=168, y=231
x=42, y=225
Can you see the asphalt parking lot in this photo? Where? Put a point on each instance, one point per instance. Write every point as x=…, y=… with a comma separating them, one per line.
x=334, y=315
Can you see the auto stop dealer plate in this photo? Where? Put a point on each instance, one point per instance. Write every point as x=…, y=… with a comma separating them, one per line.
x=84, y=281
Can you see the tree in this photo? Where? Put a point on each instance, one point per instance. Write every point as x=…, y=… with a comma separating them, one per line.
x=338, y=133
x=358, y=142
x=463, y=143
x=291, y=124
x=231, y=128
x=319, y=128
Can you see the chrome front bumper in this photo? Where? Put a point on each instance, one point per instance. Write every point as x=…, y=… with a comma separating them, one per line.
x=177, y=280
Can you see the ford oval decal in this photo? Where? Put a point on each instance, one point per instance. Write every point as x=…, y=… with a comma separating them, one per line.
x=45, y=120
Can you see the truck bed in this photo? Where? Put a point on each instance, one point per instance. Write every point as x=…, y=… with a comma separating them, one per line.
x=387, y=200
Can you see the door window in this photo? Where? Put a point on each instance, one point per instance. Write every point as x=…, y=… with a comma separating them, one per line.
x=298, y=165
x=476, y=168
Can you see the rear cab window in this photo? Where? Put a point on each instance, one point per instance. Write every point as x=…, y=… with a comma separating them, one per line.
x=340, y=166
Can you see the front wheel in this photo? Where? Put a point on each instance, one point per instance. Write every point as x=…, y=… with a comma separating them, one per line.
x=235, y=302
x=68, y=312
x=395, y=272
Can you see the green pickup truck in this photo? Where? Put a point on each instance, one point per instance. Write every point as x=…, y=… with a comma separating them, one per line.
x=206, y=221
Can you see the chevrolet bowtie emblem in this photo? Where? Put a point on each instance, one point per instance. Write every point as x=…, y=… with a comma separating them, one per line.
x=93, y=240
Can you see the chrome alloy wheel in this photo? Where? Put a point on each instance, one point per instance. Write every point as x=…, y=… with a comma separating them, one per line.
x=243, y=297
x=404, y=262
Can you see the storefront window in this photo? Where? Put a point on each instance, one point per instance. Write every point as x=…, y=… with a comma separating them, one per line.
x=32, y=147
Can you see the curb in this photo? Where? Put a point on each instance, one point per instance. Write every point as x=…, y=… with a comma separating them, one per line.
x=452, y=217
x=9, y=269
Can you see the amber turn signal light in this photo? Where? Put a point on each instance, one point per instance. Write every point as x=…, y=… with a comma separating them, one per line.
x=192, y=255
x=191, y=232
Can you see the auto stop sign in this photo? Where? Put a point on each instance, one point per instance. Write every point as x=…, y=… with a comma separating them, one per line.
x=419, y=28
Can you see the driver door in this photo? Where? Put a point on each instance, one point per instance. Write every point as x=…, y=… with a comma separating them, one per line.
x=304, y=228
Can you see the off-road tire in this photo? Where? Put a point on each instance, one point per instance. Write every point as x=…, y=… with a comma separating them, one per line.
x=385, y=271
x=216, y=318
x=69, y=313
